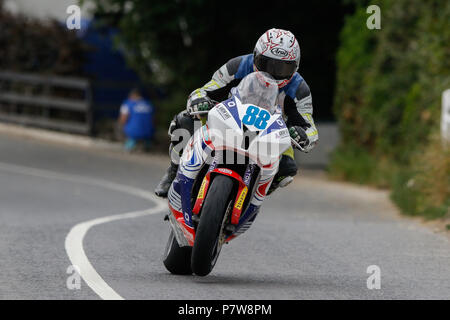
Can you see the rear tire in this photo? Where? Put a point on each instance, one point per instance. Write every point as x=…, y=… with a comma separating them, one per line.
x=177, y=259
x=206, y=245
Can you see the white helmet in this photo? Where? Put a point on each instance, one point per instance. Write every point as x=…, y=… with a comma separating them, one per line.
x=277, y=52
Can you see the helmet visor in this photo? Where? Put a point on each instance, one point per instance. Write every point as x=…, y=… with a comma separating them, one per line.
x=278, y=69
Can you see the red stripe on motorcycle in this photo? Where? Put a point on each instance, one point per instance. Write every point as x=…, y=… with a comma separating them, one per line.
x=189, y=233
x=262, y=189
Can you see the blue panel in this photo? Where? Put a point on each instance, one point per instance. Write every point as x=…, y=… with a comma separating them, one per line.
x=185, y=185
x=233, y=110
x=274, y=126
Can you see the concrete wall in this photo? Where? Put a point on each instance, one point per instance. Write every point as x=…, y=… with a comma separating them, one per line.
x=320, y=155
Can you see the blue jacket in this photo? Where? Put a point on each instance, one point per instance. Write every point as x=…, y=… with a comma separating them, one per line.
x=140, y=119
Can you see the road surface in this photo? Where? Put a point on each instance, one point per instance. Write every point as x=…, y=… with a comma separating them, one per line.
x=315, y=239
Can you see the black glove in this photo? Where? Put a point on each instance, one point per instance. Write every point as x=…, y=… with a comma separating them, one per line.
x=199, y=101
x=299, y=135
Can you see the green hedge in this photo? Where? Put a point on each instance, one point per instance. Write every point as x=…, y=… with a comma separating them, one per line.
x=45, y=47
x=388, y=102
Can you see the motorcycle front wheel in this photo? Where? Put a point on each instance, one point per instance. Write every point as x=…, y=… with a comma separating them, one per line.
x=207, y=242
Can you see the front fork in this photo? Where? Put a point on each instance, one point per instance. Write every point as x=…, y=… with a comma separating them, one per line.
x=240, y=195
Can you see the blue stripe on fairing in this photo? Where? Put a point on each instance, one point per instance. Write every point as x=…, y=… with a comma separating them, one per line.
x=175, y=195
x=233, y=110
x=186, y=184
x=173, y=201
x=176, y=204
x=274, y=126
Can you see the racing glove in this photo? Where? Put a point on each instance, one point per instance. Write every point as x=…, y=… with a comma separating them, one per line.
x=298, y=134
x=199, y=101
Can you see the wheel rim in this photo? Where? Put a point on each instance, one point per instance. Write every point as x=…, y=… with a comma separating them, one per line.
x=216, y=252
x=221, y=237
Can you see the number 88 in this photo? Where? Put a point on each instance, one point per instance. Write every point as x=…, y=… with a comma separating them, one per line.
x=257, y=117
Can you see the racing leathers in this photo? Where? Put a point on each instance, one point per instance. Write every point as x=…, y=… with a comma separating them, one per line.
x=294, y=98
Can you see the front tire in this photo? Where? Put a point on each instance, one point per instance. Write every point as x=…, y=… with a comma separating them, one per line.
x=177, y=259
x=207, y=244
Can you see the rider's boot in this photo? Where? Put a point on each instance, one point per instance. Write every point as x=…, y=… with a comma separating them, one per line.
x=285, y=174
x=163, y=187
x=180, y=121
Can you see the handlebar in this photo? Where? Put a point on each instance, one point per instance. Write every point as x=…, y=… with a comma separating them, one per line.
x=298, y=146
x=197, y=113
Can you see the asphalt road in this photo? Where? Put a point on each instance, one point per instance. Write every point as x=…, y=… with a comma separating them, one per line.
x=314, y=239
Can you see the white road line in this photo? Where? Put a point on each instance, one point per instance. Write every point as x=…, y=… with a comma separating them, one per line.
x=74, y=240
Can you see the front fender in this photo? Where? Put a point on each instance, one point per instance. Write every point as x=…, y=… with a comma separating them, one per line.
x=241, y=193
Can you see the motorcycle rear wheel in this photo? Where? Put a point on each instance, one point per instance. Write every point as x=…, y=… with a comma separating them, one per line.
x=207, y=244
x=177, y=260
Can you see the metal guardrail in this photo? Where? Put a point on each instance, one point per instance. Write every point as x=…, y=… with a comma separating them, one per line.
x=21, y=93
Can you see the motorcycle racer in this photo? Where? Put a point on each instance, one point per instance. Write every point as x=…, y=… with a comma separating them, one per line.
x=277, y=52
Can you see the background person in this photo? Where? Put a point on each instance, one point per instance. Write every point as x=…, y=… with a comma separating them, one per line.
x=136, y=120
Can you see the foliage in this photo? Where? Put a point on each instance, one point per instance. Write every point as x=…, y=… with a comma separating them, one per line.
x=178, y=44
x=30, y=45
x=424, y=187
x=388, y=102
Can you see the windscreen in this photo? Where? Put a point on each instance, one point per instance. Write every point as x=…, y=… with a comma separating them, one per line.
x=260, y=89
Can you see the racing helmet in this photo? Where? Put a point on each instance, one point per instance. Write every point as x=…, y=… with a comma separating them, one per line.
x=277, y=52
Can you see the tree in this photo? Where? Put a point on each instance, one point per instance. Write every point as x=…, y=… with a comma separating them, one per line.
x=180, y=43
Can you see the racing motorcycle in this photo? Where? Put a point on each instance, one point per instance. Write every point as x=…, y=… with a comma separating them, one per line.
x=224, y=174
